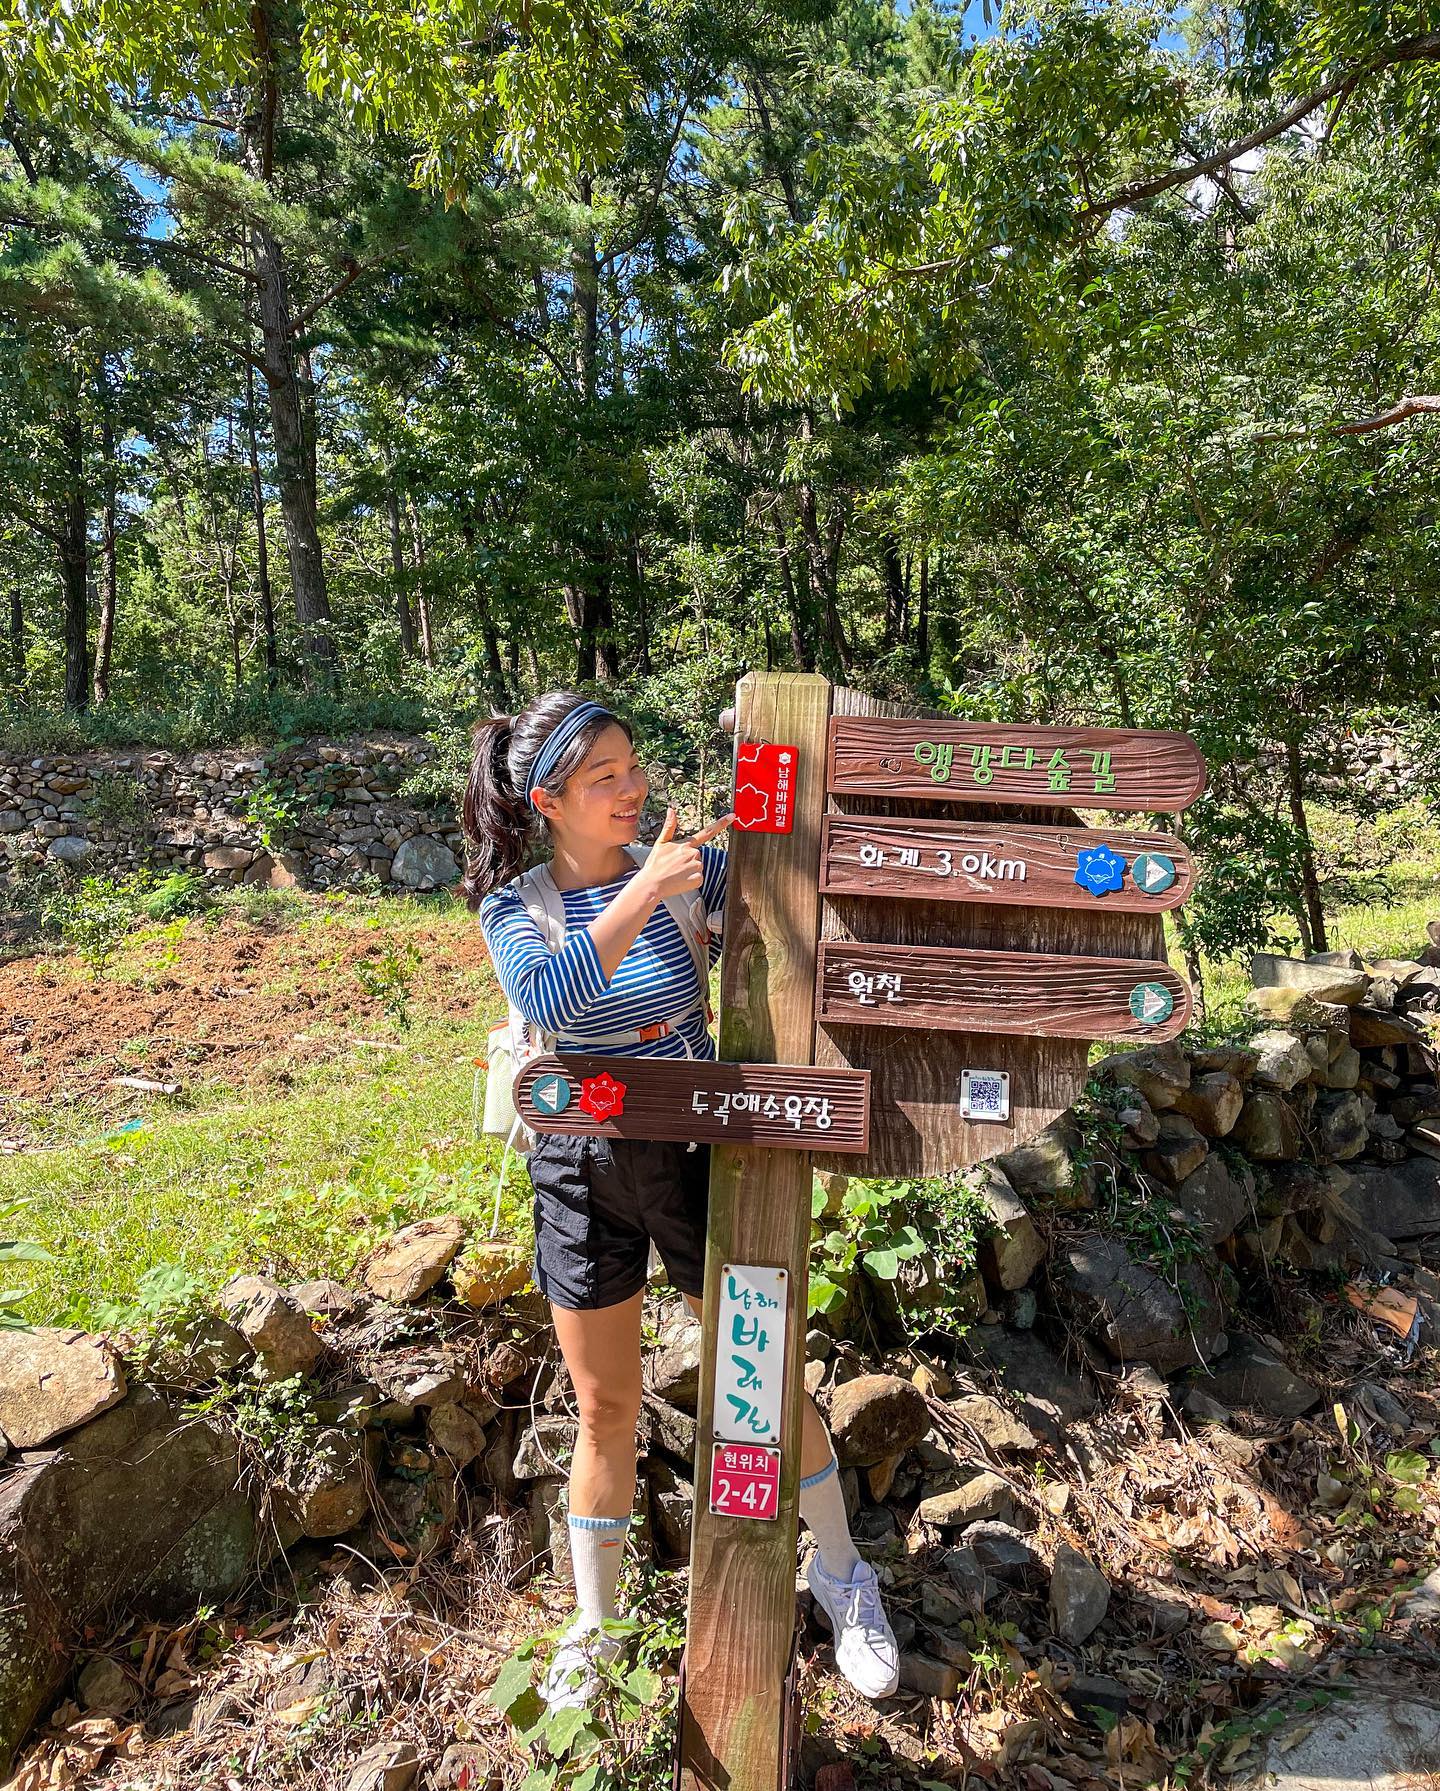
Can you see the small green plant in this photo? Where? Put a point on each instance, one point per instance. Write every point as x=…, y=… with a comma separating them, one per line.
x=274, y=811
x=276, y=1420
x=622, y=1740
x=389, y=978
x=181, y=893
x=94, y=917
x=118, y=800
x=14, y=1249
x=165, y=1297
x=865, y=1234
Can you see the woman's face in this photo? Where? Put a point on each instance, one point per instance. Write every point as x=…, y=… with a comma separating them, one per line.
x=601, y=802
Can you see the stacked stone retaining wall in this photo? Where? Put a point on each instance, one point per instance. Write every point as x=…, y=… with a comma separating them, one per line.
x=319, y=814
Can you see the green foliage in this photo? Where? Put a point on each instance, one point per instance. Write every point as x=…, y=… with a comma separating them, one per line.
x=93, y=917
x=119, y=800
x=881, y=1225
x=166, y=1295
x=273, y=810
x=388, y=979
x=622, y=1740
x=14, y=1250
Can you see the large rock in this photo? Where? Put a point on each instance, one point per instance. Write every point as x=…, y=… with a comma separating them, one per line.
x=1267, y=1128
x=325, y=1494
x=1400, y=1202
x=1249, y=1374
x=140, y=1511
x=997, y=1427
x=456, y=1432
x=984, y=1495
x=70, y=848
x=876, y=1415
x=1079, y=1595
x=490, y=1272
x=271, y=1322
x=1032, y=1372
x=409, y=1263
x=1282, y=1060
x=1215, y=1200
x=1139, y=1314
x=1340, y=1127
x=1213, y=1102
x=672, y=1506
x=1047, y=1166
x=1178, y=1151
x=52, y=1380
x=1014, y=1250
x=1324, y=982
x=1160, y=1072
x=1371, y=1028
x=672, y=1372
x=546, y=1446
x=1004, y=1553
x=423, y=863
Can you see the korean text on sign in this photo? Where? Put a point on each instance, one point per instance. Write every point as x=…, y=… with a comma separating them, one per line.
x=750, y=1354
x=794, y=1109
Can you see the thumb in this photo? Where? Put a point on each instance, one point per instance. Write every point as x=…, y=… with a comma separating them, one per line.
x=667, y=832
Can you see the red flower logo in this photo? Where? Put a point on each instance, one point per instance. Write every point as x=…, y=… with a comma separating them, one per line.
x=752, y=806
x=602, y=1097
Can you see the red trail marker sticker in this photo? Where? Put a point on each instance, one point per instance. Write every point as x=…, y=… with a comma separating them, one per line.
x=765, y=787
x=745, y=1481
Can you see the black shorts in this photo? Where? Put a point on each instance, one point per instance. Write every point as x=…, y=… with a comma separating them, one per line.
x=598, y=1204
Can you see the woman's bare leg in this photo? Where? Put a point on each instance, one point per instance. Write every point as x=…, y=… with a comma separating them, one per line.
x=602, y=1351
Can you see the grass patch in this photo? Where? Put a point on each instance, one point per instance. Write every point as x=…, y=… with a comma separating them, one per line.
x=292, y=1182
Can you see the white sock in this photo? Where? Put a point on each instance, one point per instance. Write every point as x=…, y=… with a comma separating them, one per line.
x=822, y=1505
x=597, y=1547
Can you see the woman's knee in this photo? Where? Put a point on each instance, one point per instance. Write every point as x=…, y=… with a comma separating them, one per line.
x=607, y=1412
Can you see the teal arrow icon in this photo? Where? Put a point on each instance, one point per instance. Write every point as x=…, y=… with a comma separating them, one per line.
x=1153, y=872
x=551, y=1094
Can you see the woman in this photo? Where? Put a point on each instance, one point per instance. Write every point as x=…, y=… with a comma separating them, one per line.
x=623, y=979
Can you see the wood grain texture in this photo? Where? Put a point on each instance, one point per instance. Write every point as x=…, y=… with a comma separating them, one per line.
x=978, y=861
x=685, y=1099
x=915, y=1123
x=986, y=762
x=742, y=1571
x=1035, y=994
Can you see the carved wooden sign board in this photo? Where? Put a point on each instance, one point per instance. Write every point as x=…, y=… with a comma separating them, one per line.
x=690, y=1100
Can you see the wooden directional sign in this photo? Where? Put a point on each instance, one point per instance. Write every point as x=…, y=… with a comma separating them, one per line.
x=1028, y=867
x=690, y=1100
x=987, y=762
x=1000, y=992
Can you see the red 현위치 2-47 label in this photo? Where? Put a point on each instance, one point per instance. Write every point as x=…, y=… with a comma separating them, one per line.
x=765, y=787
x=745, y=1480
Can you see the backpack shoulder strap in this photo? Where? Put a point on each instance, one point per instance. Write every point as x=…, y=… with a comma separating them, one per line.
x=542, y=901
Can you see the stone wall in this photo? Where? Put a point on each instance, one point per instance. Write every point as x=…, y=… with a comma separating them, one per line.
x=319, y=814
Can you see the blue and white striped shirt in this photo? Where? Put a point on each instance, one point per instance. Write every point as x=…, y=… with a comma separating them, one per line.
x=567, y=993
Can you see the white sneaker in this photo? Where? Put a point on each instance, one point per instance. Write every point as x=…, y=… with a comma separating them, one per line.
x=571, y=1681
x=865, y=1648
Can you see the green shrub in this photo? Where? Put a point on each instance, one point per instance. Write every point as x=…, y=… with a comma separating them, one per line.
x=15, y=1250
x=94, y=916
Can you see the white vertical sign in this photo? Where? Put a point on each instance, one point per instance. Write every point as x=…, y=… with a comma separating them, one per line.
x=750, y=1353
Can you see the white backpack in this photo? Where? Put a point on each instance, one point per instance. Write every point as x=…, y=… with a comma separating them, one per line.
x=515, y=1043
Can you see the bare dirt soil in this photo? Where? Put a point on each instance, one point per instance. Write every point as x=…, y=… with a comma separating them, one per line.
x=216, y=1005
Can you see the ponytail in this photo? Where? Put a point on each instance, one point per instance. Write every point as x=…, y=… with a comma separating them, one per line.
x=499, y=819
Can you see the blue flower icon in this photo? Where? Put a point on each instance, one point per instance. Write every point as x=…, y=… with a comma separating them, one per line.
x=1099, y=869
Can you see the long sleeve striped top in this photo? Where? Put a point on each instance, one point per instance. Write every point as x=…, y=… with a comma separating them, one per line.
x=567, y=992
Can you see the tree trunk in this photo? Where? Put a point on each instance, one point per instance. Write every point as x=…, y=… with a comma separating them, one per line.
x=397, y=566
x=799, y=639
x=642, y=614
x=893, y=574
x=110, y=581
x=1309, y=875
x=262, y=543
x=292, y=457
x=422, y=598
x=19, y=670
x=74, y=549
x=819, y=563
x=922, y=619
x=587, y=596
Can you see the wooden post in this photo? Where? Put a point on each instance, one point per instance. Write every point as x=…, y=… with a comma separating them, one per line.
x=742, y=1570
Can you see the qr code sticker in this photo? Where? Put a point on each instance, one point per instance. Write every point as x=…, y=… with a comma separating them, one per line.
x=985, y=1094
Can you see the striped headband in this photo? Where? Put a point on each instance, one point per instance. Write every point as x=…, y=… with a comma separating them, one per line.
x=556, y=741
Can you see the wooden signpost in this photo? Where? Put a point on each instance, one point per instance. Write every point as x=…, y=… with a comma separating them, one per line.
x=938, y=982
